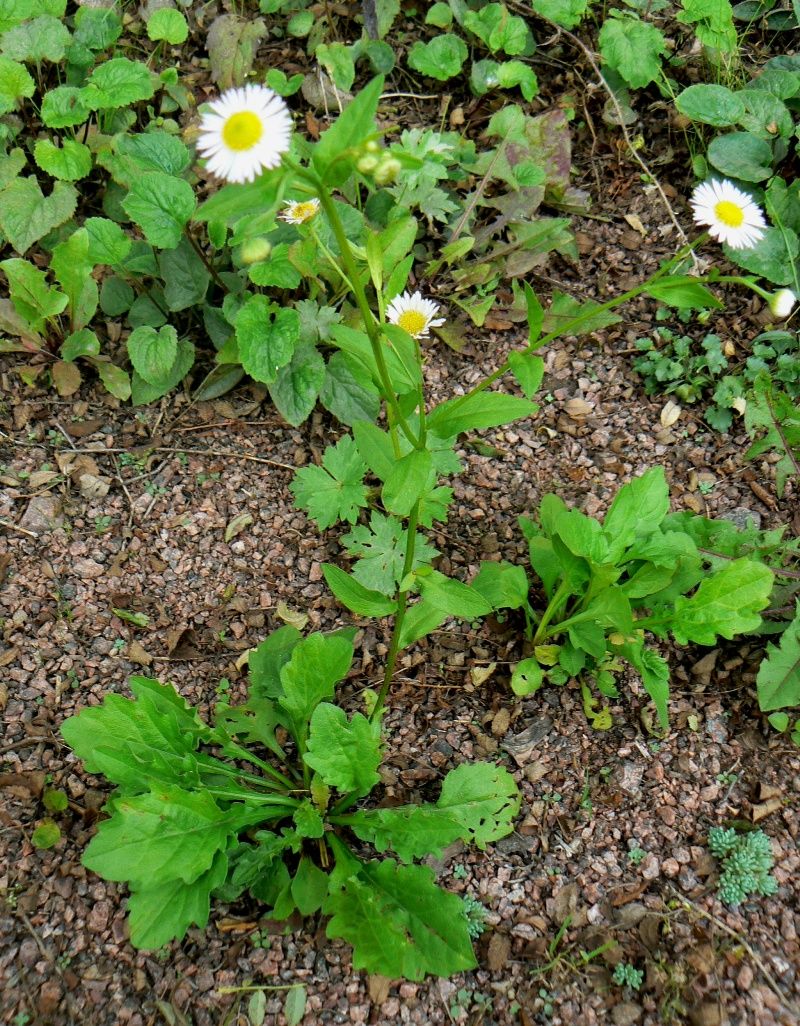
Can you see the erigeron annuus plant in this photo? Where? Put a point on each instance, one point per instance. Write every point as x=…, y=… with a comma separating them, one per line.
x=189, y=822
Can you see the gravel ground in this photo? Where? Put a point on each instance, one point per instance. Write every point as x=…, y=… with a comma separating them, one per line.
x=106, y=508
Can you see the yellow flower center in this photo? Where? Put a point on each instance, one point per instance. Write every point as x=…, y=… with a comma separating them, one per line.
x=731, y=214
x=303, y=211
x=242, y=131
x=412, y=321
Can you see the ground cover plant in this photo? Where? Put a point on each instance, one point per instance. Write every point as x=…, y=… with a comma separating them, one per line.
x=153, y=247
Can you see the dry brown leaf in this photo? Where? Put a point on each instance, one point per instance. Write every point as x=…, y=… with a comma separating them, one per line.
x=3, y=696
x=480, y=674
x=670, y=413
x=66, y=377
x=379, y=987
x=635, y=223
x=137, y=654
x=577, y=408
x=92, y=487
x=765, y=809
x=42, y=478
x=501, y=722
x=767, y=791
x=499, y=952
x=565, y=902
x=83, y=428
x=8, y=657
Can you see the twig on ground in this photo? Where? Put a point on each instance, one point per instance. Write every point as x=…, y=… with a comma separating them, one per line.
x=13, y=527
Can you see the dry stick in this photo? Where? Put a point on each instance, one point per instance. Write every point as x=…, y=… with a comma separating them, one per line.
x=20, y=530
x=773, y=985
x=590, y=57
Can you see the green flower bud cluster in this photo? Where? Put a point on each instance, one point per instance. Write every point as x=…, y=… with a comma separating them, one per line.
x=626, y=976
x=378, y=164
x=475, y=911
x=746, y=864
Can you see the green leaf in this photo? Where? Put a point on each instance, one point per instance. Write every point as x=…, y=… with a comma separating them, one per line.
x=375, y=448
x=421, y=618
x=527, y=677
x=503, y=585
x=108, y=243
x=267, y=337
x=33, y=299
x=482, y=410
x=73, y=270
x=337, y=59
x=335, y=490
x=297, y=385
x=381, y=549
x=115, y=379
x=498, y=29
x=483, y=798
x=778, y=680
x=64, y=107
x=26, y=215
x=277, y=81
x=316, y=665
x=143, y=391
x=162, y=206
x=152, y=352
x=357, y=598
x=185, y=275
x=82, y=343
x=168, y=24
x=726, y=604
x=453, y=597
x=277, y=272
x=741, y=155
x=161, y=913
x=567, y=13
x=353, y=127
x=779, y=417
x=15, y=84
x=399, y=923
x=308, y=821
x=233, y=202
x=564, y=310
x=96, y=28
x=772, y=257
x=411, y=831
x=43, y=39
x=349, y=396
x=409, y=478
x=441, y=58
x=69, y=162
x=309, y=887
x=528, y=369
x=169, y=834
x=267, y=660
x=633, y=48
x=152, y=151
x=713, y=21
x=46, y=834
x=118, y=82
x=345, y=753
x=654, y=672
x=294, y=1007
x=710, y=105
x=638, y=509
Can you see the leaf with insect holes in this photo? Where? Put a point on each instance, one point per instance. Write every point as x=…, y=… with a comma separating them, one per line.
x=410, y=831
x=483, y=798
x=334, y=491
x=726, y=604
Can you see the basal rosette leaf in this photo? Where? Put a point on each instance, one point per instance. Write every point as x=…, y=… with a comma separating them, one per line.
x=345, y=753
x=727, y=604
x=159, y=914
x=316, y=665
x=168, y=834
x=410, y=831
x=400, y=923
x=778, y=680
x=483, y=798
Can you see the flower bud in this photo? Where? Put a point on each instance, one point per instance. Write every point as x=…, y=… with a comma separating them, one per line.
x=782, y=303
x=255, y=250
x=367, y=164
x=373, y=146
x=388, y=170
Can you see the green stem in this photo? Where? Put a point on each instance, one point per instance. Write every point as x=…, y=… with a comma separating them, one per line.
x=400, y=615
x=235, y=751
x=552, y=608
x=371, y=326
x=280, y=801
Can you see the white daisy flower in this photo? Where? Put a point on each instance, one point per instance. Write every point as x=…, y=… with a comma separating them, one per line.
x=245, y=131
x=781, y=303
x=730, y=214
x=300, y=211
x=414, y=314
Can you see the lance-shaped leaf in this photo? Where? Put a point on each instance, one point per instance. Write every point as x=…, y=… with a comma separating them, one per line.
x=483, y=798
x=400, y=923
x=638, y=509
x=727, y=604
x=161, y=913
x=345, y=753
x=778, y=680
x=169, y=834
